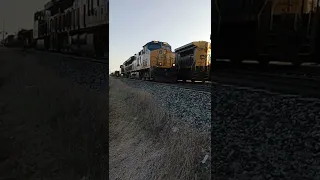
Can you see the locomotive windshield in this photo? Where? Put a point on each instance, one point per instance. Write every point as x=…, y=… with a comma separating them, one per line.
x=154, y=46
x=157, y=45
x=166, y=46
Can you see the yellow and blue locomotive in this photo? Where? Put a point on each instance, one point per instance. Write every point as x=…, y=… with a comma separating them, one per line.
x=194, y=61
x=155, y=61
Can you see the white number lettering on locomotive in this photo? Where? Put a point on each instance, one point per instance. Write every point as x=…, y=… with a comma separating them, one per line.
x=145, y=63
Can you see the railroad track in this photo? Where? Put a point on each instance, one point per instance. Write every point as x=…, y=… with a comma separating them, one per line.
x=274, y=69
x=101, y=60
x=294, y=83
x=281, y=83
x=200, y=87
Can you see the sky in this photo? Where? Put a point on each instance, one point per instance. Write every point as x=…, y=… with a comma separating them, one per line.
x=18, y=14
x=134, y=23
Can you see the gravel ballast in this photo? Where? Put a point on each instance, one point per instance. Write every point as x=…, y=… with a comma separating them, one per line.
x=92, y=75
x=260, y=136
x=255, y=135
x=187, y=105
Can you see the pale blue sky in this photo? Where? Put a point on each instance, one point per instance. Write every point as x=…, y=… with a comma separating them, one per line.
x=18, y=14
x=134, y=23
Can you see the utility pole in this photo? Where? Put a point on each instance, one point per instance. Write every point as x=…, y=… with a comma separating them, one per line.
x=3, y=32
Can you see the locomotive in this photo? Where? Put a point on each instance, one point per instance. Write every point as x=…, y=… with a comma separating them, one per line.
x=194, y=61
x=266, y=30
x=117, y=73
x=77, y=26
x=155, y=61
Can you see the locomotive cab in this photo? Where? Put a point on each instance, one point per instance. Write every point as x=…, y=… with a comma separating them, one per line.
x=162, y=61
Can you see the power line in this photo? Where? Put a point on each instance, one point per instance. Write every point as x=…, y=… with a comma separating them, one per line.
x=3, y=30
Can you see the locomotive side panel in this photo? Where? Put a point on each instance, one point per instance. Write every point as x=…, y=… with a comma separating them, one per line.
x=194, y=61
x=139, y=59
x=85, y=21
x=266, y=30
x=146, y=60
x=35, y=29
x=201, y=53
x=293, y=6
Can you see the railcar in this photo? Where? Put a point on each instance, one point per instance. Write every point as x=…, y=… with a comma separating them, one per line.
x=40, y=35
x=194, y=61
x=76, y=26
x=117, y=73
x=12, y=41
x=155, y=61
x=121, y=70
x=127, y=67
x=266, y=30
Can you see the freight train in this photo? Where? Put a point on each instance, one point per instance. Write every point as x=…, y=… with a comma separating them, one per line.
x=117, y=73
x=76, y=26
x=193, y=61
x=11, y=41
x=266, y=30
x=155, y=61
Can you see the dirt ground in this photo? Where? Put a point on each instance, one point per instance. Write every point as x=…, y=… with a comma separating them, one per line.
x=146, y=143
x=50, y=128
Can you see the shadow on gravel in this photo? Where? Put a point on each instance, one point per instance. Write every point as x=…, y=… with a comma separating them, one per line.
x=50, y=128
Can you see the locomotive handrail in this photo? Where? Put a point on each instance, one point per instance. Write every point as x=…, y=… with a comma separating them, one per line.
x=260, y=12
x=219, y=14
x=295, y=20
x=271, y=14
x=309, y=19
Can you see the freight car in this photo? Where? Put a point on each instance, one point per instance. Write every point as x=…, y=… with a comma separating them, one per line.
x=77, y=26
x=194, y=61
x=121, y=70
x=26, y=38
x=117, y=73
x=266, y=30
x=127, y=67
x=12, y=41
x=155, y=61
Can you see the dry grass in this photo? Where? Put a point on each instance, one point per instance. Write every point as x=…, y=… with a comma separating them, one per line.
x=145, y=142
x=49, y=128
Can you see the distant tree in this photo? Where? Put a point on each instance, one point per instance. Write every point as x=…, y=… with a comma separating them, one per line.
x=21, y=32
x=10, y=38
